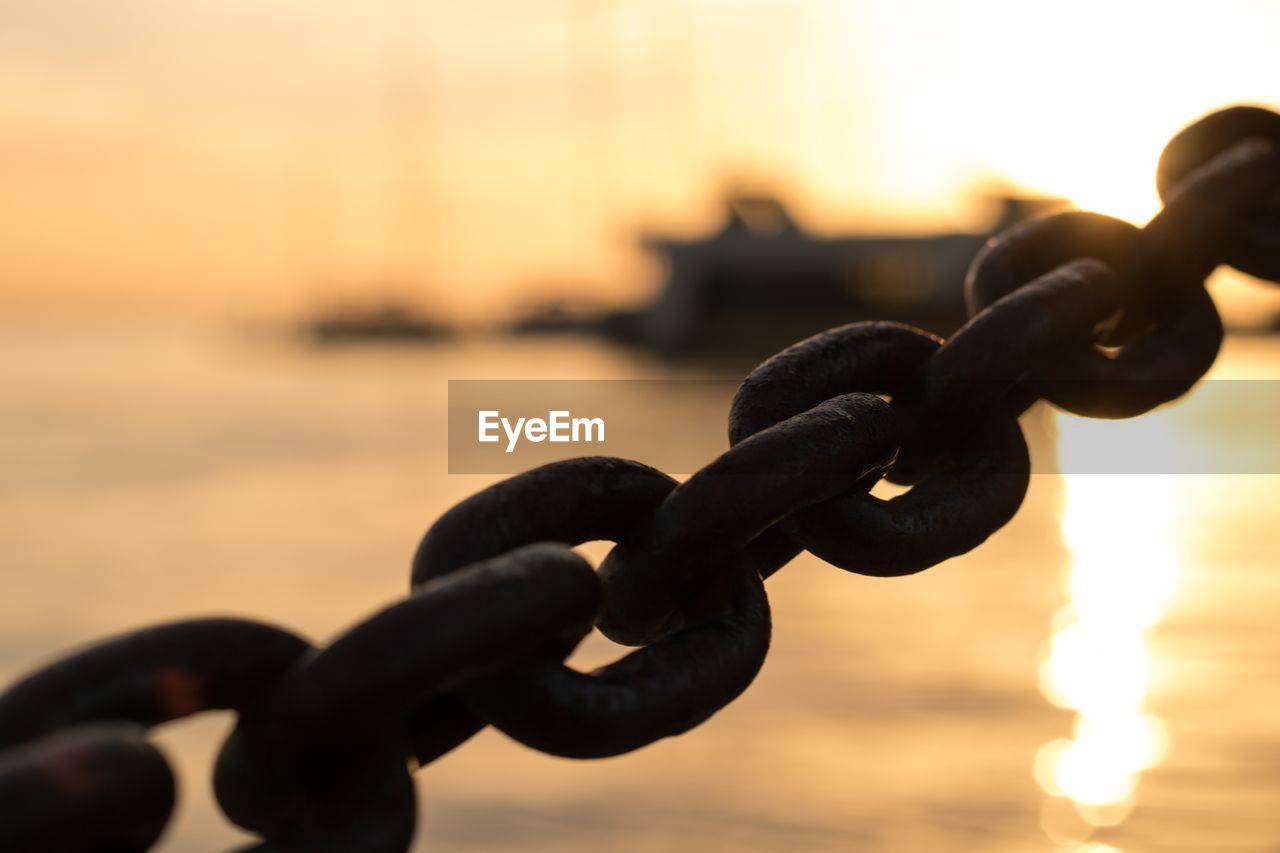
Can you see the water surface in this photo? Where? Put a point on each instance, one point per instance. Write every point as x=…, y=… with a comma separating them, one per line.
x=1103, y=671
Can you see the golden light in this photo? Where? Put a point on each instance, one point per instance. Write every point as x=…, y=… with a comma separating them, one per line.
x=1072, y=100
x=1119, y=529
x=880, y=116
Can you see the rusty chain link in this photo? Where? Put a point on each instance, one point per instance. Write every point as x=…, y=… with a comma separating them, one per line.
x=1089, y=313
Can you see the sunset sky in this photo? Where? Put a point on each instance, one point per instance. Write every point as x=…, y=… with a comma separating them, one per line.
x=261, y=157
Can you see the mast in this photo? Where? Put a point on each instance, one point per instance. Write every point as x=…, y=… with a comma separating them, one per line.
x=407, y=152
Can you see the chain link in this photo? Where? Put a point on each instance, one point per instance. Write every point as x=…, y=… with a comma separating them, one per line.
x=1089, y=313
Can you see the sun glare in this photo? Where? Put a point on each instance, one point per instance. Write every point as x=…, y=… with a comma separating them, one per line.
x=1071, y=100
x=1119, y=530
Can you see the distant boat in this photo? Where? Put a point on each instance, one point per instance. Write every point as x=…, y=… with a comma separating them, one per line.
x=406, y=90
x=762, y=282
x=384, y=322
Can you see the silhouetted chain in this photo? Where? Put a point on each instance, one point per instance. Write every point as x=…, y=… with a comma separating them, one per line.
x=1090, y=313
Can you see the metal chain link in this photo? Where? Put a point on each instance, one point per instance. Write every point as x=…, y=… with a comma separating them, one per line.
x=1089, y=313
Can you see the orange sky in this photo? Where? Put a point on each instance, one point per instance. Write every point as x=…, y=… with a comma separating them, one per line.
x=247, y=157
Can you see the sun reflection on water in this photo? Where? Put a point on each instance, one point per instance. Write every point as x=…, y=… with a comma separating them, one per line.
x=1124, y=569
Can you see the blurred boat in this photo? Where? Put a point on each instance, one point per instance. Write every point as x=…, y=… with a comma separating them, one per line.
x=384, y=322
x=762, y=282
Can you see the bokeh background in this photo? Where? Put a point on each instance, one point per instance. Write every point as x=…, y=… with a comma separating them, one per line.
x=188, y=191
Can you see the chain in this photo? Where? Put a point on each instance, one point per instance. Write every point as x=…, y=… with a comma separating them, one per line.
x=1092, y=314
